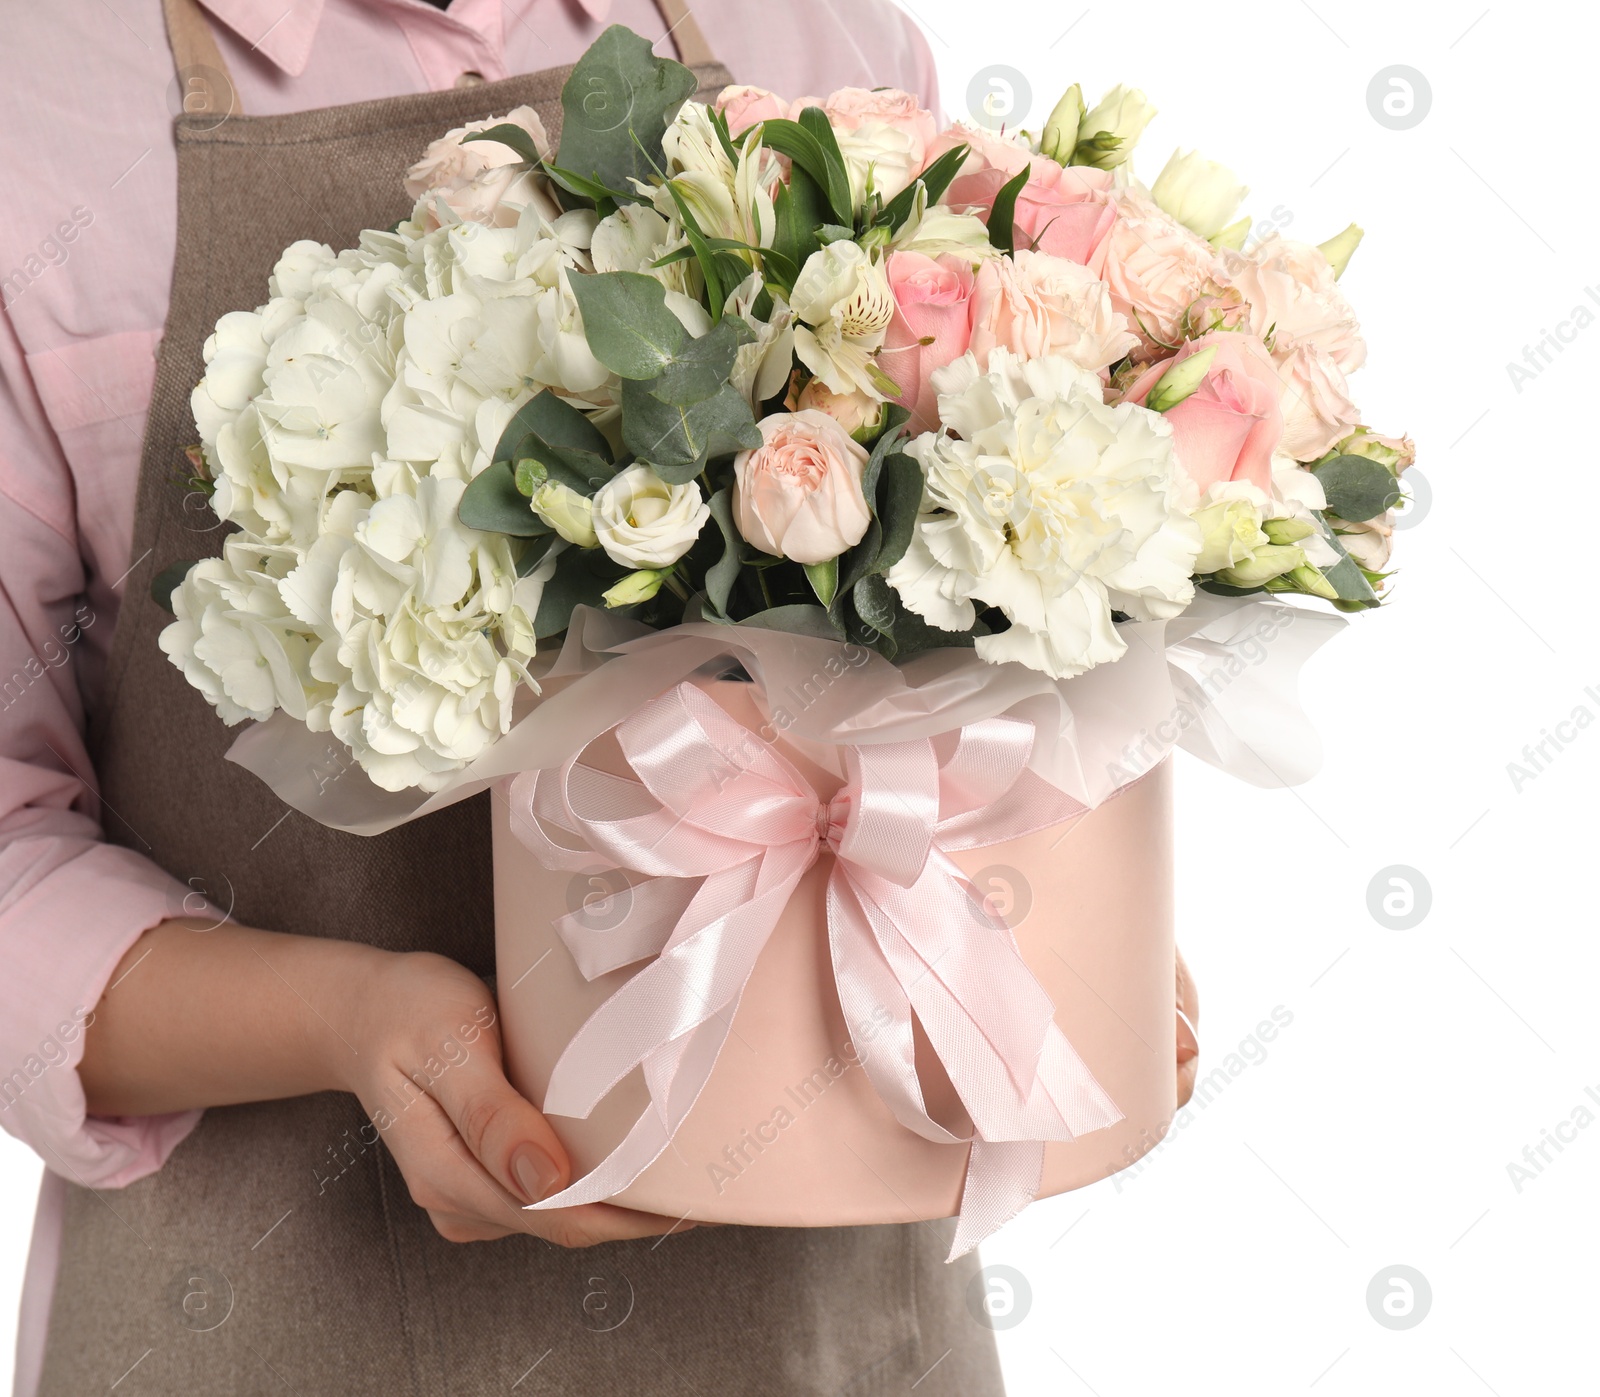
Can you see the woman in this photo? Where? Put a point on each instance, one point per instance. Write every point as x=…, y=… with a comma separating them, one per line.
x=298, y=1235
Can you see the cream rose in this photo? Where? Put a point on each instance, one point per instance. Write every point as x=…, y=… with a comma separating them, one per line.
x=643, y=522
x=1157, y=270
x=799, y=494
x=483, y=181
x=1293, y=296
x=1036, y=304
x=883, y=135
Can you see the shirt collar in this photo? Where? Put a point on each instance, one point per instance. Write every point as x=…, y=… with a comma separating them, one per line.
x=286, y=36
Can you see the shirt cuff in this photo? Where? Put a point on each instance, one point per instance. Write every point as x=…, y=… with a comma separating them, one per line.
x=61, y=941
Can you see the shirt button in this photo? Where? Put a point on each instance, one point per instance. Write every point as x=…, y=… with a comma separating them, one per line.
x=470, y=78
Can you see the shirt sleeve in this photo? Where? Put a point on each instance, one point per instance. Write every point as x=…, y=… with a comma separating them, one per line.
x=70, y=904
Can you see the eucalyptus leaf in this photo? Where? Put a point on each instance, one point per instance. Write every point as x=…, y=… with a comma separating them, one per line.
x=582, y=578
x=1357, y=488
x=797, y=620
x=723, y=573
x=899, y=501
x=535, y=552
x=1346, y=575
x=167, y=581
x=874, y=602
x=615, y=108
x=583, y=471
x=493, y=504
x=678, y=441
x=552, y=420
x=627, y=323
x=508, y=133
x=703, y=365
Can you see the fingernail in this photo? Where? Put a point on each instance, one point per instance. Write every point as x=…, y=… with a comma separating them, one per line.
x=535, y=1172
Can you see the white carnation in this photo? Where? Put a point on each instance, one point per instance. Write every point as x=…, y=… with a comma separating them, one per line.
x=1050, y=506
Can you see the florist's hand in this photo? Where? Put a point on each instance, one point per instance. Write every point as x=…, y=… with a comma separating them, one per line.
x=1188, y=1023
x=428, y=1071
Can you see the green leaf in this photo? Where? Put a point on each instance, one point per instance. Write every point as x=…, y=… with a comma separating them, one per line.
x=703, y=365
x=824, y=579
x=1003, y=215
x=583, y=576
x=615, y=109
x=508, y=133
x=710, y=269
x=723, y=573
x=812, y=146
x=167, y=581
x=627, y=323
x=534, y=553
x=1357, y=487
x=493, y=504
x=553, y=420
x=875, y=604
x=935, y=179
x=799, y=619
x=678, y=441
x=582, y=471
x=1348, y=580
x=800, y=207
x=899, y=500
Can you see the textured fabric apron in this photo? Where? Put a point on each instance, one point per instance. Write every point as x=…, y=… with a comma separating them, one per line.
x=277, y=1252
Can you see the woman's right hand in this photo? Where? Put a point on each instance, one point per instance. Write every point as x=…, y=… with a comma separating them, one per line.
x=428, y=1071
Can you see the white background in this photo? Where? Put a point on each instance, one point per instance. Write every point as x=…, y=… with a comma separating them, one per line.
x=1378, y=1130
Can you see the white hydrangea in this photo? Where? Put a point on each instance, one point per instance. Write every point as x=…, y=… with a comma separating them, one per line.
x=341, y=423
x=1044, y=502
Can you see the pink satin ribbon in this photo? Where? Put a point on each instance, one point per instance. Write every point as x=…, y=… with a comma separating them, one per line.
x=716, y=832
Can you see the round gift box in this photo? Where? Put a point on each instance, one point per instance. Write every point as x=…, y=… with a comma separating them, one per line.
x=789, y=1131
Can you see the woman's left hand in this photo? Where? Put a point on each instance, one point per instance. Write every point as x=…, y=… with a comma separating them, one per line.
x=1188, y=1024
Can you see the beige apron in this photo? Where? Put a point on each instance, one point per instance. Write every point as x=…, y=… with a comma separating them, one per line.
x=278, y=1252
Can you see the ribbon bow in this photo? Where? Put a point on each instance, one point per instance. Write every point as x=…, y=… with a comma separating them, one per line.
x=718, y=829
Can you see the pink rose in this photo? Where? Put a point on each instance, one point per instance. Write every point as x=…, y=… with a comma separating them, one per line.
x=799, y=494
x=1036, y=304
x=1157, y=270
x=1291, y=291
x=483, y=181
x=1317, y=411
x=886, y=133
x=932, y=326
x=1228, y=428
x=1067, y=212
x=749, y=106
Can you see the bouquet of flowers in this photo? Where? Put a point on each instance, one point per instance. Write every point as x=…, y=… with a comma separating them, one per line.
x=812, y=366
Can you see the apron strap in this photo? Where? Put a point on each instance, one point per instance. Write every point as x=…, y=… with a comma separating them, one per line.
x=207, y=85
x=693, y=49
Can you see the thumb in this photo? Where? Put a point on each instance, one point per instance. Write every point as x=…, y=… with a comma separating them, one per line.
x=503, y=1129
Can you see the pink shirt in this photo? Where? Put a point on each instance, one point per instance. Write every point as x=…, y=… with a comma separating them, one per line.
x=87, y=181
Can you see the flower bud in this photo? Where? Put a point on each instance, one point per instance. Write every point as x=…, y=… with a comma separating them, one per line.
x=1266, y=563
x=1397, y=453
x=1308, y=580
x=1109, y=132
x=636, y=587
x=1060, y=136
x=1181, y=380
x=1288, y=530
x=861, y=416
x=1339, y=248
x=1201, y=194
x=567, y=512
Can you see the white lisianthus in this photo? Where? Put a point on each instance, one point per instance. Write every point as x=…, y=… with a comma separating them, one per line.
x=842, y=296
x=643, y=522
x=1201, y=194
x=1230, y=525
x=1111, y=128
x=567, y=512
x=1050, y=506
